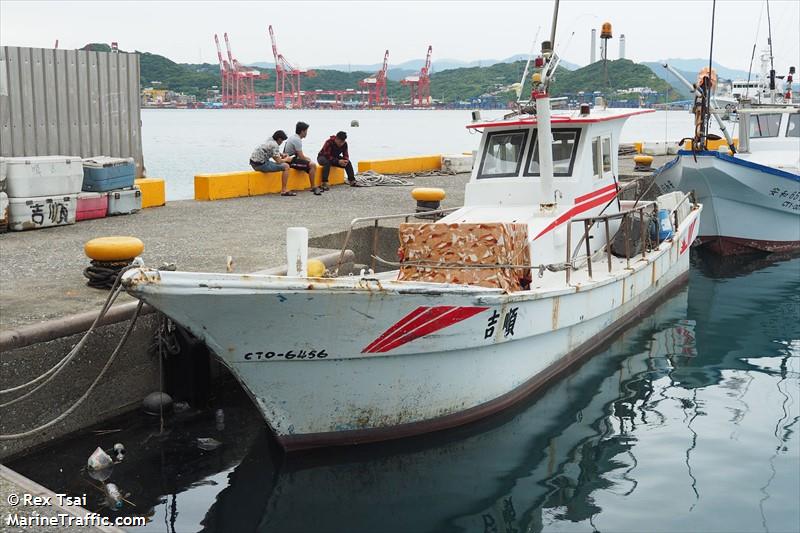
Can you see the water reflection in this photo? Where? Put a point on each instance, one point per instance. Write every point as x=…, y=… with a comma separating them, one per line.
x=687, y=422
x=642, y=436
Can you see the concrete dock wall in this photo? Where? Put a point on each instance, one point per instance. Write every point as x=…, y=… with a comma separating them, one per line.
x=30, y=351
x=70, y=102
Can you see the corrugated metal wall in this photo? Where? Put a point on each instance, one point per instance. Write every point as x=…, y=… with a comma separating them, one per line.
x=70, y=102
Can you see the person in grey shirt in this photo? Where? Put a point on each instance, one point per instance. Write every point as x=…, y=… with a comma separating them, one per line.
x=267, y=157
x=294, y=146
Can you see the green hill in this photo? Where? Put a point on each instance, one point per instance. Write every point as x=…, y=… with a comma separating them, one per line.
x=446, y=86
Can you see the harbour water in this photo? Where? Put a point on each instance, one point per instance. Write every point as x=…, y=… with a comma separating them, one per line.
x=181, y=143
x=687, y=421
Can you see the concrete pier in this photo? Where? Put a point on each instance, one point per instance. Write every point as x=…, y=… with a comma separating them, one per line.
x=13, y=486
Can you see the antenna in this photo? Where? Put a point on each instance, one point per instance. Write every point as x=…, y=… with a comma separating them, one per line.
x=528, y=64
x=771, y=66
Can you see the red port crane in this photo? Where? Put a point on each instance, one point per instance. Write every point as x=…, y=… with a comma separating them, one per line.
x=225, y=75
x=420, y=85
x=287, y=74
x=376, y=85
x=240, y=88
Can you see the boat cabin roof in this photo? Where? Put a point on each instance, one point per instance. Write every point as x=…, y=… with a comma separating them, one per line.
x=560, y=119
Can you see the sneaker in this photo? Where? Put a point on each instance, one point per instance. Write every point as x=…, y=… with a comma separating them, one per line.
x=325, y=187
x=353, y=183
x=316, y=191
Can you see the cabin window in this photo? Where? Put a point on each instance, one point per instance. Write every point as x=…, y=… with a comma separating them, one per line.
x=765, y=125
x=793, y=129
x=596, y=155
x=565, y=146
x=502, y=154
x=606, y=154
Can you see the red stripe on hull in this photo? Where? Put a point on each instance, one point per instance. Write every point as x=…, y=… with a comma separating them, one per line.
x=738, y=246
x=579, y=199
x=577, y=210
x=447, y=319
x=427, y=314
x=410, y=316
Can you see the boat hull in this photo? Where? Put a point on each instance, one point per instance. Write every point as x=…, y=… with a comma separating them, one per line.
x=349, y=360
x=747, y=207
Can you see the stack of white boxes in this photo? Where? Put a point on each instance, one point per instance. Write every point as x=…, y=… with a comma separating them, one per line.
x=42, y=190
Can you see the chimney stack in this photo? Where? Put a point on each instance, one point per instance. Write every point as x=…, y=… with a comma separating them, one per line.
x=593, y=49
x=622, y=46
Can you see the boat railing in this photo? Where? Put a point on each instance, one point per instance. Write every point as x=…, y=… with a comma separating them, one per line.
x=625, y=227
x=588, y=222
x=375, y=220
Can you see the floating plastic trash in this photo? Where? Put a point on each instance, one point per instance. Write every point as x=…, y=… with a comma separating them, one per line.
x=208, y=443
x=99, y=460
x=113, y=496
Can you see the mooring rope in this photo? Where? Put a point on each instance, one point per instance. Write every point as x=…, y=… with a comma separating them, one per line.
x=112, y=296
x=370, y=178
x=91, y=388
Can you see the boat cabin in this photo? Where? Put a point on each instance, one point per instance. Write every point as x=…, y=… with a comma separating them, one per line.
x=507, y=184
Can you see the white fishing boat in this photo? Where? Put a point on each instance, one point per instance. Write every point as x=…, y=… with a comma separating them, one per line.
x=751, y=198
x=488, y=304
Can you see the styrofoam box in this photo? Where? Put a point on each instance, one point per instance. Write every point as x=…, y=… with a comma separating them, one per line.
x=458, y=163
x=124, y=202
x=41, y=211
x=51, y=175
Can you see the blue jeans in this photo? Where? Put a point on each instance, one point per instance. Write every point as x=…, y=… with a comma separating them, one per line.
x=268, y=166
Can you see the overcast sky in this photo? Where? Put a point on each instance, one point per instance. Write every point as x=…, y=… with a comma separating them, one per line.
x=320, y=33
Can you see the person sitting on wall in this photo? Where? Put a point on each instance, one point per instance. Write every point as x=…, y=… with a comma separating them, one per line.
x=294, y=146
x=267, y=157
x=334, y=152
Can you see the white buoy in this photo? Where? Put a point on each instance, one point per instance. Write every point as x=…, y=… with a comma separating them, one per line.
x=297, y=252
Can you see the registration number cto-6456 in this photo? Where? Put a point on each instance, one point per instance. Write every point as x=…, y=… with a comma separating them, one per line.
x=288, y=355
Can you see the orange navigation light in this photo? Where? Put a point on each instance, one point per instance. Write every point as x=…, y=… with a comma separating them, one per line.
x=605, y=32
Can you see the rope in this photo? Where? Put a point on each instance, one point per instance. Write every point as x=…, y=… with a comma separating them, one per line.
x=91, y=388
x=103, y=274
x=553, y=267
x=370, y=178
x=112, y=296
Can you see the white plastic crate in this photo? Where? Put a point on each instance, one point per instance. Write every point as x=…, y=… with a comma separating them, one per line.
x=124, y=201
x=41, y=212
x=52, y=175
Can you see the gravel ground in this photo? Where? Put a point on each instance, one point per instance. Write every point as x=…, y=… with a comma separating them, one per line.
x=41, y=272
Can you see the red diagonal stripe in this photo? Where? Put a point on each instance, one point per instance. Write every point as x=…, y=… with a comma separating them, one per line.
x=430, y=313
x=410, y=316
x=612, y=187
x=578, y=209
x=447, y=319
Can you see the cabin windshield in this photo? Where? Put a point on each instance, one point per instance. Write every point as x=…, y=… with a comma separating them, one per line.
x=766, y=125
x=502, y=154
x=793, y=129
x=565, y=146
